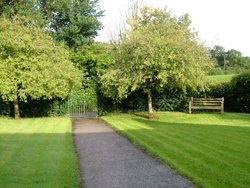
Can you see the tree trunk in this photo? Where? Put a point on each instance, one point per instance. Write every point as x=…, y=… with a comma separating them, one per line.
x=16, y=109
x=150, y=107
x=224, y=57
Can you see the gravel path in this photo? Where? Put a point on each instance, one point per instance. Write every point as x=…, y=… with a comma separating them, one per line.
x=108, y=160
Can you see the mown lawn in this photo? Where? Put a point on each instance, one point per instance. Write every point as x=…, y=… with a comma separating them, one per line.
x=37, y=153
x=221, y=78
x=211, y=149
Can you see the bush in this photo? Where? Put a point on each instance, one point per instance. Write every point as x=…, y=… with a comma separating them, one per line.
x=222, y=90
x=5, y=108
x=241, y=92
x=163, y=100
x=236, y=93
x=216, y=71
x=36, y=108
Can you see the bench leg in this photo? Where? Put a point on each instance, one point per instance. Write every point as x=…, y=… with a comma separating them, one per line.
x=190, y=110
x=222, y=105
x=222, y=110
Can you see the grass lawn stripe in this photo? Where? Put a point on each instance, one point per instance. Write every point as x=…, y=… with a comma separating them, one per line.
x=37, y=153
x=200, y=135
x=204, y=164
x=216, y=137
x=154, y=148
x=199, y=147
x=200, y=163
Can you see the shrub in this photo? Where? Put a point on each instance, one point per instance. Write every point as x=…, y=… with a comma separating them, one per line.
x=236, y=93
x=36, y=108
x=241, y=92
x=163, y=100
x=216, y=71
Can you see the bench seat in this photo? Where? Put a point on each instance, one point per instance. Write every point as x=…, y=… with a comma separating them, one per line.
x=206, y=104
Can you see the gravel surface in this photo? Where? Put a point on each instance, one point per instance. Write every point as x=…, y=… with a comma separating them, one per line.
x=108, y=160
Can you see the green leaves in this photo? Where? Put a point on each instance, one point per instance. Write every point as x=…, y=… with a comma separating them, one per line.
x=31, y=65
x=74, y=22
x=156, y=50
x=92, y=59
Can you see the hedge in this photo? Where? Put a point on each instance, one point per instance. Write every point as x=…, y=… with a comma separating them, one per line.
x=236, y=94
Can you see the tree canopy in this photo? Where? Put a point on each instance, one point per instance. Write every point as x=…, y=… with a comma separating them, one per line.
x=156, y=50
x=231, y=61
x=93, y=59
x=31, y=65
x=76, y=22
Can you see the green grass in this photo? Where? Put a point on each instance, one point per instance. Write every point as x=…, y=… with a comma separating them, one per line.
x=211, y=149
x=37, y=153
x=221, y=78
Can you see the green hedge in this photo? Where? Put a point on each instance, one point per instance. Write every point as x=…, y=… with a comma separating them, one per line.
x=36, y=108
x=236, y=93
x=55, y=107
x=163, y=100
x=241, y=92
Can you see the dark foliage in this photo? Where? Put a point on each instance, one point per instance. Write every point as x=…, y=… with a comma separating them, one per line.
x=236, y=93
x=36, y=108
x=163, y=100
x=74, y=22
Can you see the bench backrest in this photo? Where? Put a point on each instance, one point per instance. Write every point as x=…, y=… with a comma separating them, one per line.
x=207, y=101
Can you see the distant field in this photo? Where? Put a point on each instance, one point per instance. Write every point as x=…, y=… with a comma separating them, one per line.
x=221, y=78
x=210, y=149
x=37, y=153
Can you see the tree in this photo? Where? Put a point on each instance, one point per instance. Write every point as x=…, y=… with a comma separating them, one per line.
x=157, y=50
x=31, y=65
x=230, y=61
x=92, y=59
x=219, y=54
x=30, y=8
x=76, y=22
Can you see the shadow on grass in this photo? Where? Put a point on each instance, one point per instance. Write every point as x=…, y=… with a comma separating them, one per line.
x=37, y=160
x=146, y=115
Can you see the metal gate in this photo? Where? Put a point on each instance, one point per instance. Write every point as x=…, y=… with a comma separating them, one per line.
x=81, y=111
x=83, y=104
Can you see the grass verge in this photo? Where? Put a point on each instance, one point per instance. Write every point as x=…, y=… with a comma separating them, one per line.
x=210, y=149
x=38, y=153
x=221, y=78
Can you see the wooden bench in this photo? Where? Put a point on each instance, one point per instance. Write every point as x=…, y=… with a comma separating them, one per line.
x=206, y=104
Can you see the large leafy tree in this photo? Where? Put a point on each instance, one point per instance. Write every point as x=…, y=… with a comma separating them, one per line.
x=31, y=65
x=231, y=60
x=28, y=8
x=93, y=59
x=156, y=50
x=76, y=22
x=220, y=55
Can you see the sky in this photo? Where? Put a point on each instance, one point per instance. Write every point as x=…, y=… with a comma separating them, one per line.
x=218, y=22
